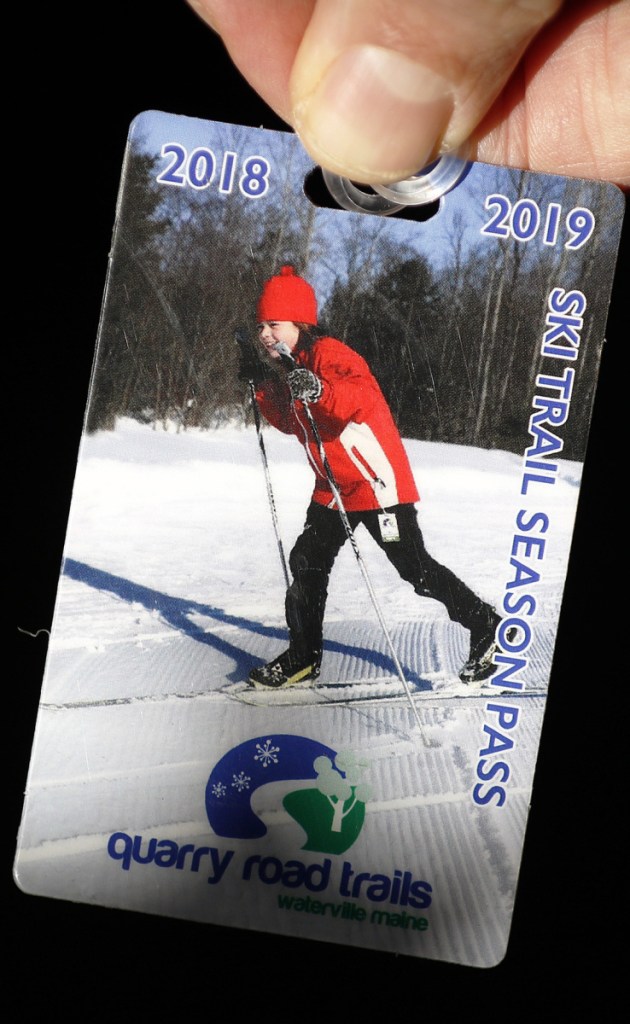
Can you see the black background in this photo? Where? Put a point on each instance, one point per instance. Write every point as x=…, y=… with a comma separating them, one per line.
x=88, y=71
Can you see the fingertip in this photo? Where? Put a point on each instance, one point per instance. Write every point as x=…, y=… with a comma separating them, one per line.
x=374, y=116
x=206, y=13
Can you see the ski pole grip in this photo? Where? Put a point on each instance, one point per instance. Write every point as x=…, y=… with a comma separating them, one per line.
x=284, y=352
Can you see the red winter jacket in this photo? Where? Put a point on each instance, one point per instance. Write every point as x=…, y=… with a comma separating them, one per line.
x=362, y=443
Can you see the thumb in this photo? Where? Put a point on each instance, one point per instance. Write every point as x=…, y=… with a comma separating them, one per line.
x=378, y=89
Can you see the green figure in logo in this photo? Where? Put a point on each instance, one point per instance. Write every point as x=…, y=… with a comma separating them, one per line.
x=332, y=815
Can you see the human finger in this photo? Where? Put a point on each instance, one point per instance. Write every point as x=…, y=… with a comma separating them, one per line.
x=379, y=87
x=567, y=109
x=262, y=38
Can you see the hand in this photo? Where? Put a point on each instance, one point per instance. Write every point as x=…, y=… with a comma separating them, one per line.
x=304, y=385
x=376, y=88
x=250, y=366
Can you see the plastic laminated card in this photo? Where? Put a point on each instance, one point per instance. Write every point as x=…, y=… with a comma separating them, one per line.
x=317, y=546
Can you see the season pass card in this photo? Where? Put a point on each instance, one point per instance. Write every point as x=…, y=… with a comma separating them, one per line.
x=317, y=547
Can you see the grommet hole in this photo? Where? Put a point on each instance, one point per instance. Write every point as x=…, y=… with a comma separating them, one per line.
x=318, y=193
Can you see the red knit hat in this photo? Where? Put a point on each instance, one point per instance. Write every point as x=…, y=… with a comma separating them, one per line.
x=287, y=297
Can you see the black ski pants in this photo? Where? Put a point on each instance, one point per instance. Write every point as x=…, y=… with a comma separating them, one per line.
x=313, y=556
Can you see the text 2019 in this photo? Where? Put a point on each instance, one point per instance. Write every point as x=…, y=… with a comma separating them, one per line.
x=524, y=219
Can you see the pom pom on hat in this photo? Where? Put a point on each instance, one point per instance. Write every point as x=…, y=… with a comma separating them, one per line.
x=287, y=297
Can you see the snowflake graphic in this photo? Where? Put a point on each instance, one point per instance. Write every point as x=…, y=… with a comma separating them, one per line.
x=266, y=754
x=241, y=781
x=219, y=789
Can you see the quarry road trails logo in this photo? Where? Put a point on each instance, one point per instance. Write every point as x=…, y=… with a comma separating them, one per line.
x=327, y=802
x=331, y=811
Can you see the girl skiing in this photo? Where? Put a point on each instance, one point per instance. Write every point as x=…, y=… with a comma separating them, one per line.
x=330, y=400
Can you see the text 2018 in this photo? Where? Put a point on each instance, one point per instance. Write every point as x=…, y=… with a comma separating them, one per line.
x=198, y=169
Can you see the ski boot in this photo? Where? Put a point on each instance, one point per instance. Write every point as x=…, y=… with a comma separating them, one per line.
x=285, y=670
x=483, y=647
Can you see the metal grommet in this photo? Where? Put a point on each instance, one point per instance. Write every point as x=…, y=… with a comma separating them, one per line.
x=351, y=197
x=429, y=184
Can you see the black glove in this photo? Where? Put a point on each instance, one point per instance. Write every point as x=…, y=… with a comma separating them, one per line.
x=304, y=385
x=250, y=366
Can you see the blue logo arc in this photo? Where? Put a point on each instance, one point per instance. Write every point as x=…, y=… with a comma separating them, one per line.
x=240, y=772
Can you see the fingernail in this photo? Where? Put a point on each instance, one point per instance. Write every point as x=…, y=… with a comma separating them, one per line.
x=375, y=116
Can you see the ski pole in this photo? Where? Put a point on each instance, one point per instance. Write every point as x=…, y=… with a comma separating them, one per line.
x=288, y=360
x=242, y=340
x=272, y=503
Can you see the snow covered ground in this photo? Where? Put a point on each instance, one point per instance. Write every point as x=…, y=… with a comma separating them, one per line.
x=171, y=533
x=172, y=587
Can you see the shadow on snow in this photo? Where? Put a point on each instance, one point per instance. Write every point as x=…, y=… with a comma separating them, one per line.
x=176, y=611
